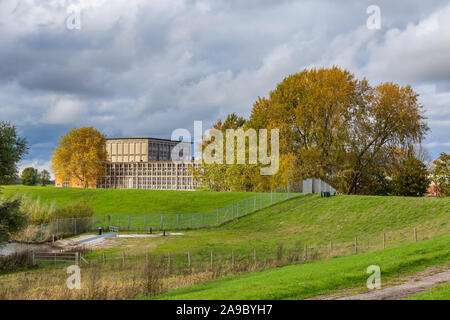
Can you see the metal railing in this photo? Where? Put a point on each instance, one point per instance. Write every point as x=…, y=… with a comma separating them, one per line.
x=144, y=222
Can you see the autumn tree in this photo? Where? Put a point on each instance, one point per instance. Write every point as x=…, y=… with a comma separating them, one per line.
x=220, y=176
x=441, y=173
x=337, y=128
x=81, y=154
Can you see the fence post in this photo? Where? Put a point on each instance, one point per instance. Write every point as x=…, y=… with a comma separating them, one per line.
x=32, y=258
x=77, y=258
x=161, y=223
x=232, y=214
x=123, y=258
x=75, y=225
x=306, y=252
x=212, y=261
x=145, y=222
x=289, y=191
x=104, y=258
x=254, y=255
x=42, y=235
x=384, y=240
x=217, y=213
x=331, y=247
x=356, y=245
x=232, y=258
x=415, y=234
x=189, y=259
x=168, y=259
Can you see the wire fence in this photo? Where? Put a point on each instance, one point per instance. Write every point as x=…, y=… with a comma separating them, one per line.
x=269, y=257
x=181, y=221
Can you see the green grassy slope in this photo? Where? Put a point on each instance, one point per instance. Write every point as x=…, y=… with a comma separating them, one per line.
x=323, y=277
x=441, y=292
x=316, y=221
x=110, y=202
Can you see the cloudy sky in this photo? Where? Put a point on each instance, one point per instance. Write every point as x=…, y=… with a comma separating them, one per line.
x=147, y=67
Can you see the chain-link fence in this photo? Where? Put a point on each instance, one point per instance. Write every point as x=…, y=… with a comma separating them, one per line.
x=182, y=221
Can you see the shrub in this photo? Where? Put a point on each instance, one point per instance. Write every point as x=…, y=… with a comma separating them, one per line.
x=75, y=210
x=19, y=260
x=37, y=212
x=12, y=220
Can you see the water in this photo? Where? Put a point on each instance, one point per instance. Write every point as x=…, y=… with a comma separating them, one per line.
x=13, y=247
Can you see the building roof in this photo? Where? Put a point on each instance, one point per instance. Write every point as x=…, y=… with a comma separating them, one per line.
x=145, y=138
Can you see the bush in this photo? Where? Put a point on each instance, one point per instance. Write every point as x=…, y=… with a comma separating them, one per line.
x=12, y=220
x=19, y=260
x=410, y=178
x=37, y=212
x=75, y=210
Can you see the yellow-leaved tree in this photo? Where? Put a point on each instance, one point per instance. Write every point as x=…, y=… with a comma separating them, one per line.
x=81, y=154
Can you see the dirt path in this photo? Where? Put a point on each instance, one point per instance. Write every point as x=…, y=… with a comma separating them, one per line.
x=417, y=283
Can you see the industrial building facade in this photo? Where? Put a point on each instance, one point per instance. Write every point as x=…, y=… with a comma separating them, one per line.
x=145, y=163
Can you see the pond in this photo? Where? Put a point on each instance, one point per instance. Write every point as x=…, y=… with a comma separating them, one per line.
x=13, y=247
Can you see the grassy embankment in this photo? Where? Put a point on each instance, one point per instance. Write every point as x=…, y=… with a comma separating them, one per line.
x=311, y=221
x=323, y=277
x=124, y=202
x=441, y=292
x=307, y=220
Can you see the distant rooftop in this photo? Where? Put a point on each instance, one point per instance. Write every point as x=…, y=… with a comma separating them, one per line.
x=144, y=138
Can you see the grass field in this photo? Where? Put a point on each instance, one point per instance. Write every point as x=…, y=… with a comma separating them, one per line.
x=312, y=221
x=307, y=220
x=323, y=277
x=121, y=202
x=441, y=292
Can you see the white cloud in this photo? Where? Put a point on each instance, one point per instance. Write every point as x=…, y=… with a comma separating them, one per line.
x=66, y=111
x=416, y=53
x=146, y=67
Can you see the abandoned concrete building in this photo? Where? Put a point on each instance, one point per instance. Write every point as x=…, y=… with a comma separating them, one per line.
x=144, y=163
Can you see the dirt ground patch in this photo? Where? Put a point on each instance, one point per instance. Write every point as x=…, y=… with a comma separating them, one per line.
x=397, y=289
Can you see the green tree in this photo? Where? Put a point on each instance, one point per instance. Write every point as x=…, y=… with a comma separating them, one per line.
x=441, y=173
x=30, y=176
x=12, y=220
x=44, y=178
x=12, y=150
x=410, y=178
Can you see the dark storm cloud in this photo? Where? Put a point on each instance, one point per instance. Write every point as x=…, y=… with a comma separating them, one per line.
x=144, y=68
